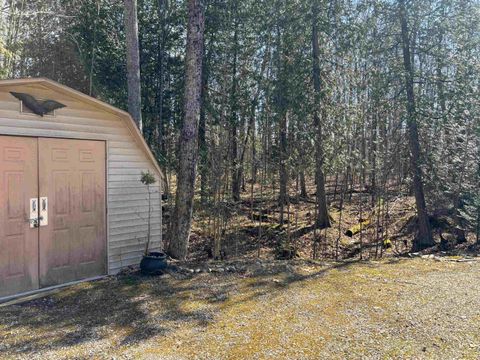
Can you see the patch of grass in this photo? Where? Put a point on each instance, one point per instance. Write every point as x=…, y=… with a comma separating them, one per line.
x=129, y=280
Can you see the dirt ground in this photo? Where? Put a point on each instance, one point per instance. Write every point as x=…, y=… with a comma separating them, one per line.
x=250, y=228
x=395, y=308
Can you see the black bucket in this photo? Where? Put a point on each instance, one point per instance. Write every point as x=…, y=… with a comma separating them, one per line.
x=154, y=263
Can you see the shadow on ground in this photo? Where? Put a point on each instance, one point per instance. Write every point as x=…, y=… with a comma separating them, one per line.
x=131, y=308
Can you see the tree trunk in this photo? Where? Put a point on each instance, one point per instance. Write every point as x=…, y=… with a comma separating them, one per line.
x=478, y=187
x=94, y=48
x=424, y=238
x=235, y=166
x=477, y=231
x=282, y=199
x=373, y=152
x=202, y=145
x=281, y=107
x=160, y=123
x=322, y=219
x=133, y=62
x=303, y=185
x=182, y=214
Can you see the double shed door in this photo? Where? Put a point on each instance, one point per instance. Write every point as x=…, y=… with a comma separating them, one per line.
x=52, y=212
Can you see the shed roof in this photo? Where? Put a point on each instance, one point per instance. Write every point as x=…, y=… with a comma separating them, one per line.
x=55, y=86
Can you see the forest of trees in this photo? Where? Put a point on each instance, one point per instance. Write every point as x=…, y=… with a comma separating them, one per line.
x=376, y=96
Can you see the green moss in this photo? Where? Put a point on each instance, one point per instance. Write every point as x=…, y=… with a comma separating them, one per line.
x=301, y=313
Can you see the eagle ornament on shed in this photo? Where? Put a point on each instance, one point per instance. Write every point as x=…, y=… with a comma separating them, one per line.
x=39, y=107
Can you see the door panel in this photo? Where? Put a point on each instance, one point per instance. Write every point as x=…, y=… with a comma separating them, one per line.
x=72, y=176
x=18, y=241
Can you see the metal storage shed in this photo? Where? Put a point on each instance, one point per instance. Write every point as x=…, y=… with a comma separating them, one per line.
x=72, y=206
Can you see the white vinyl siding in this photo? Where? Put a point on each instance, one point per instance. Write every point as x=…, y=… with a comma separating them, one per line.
x=127, y=202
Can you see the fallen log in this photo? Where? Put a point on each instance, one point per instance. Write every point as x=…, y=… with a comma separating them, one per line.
x=357, y=228
x=364, y=223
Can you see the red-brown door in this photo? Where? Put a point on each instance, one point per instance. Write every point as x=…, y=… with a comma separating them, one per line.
x=73, y=241
x=18, y=241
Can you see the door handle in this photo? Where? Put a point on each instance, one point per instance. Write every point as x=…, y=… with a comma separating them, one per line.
x=38, y=212
x=33, y=218
x=34, y=222
x=43, y=211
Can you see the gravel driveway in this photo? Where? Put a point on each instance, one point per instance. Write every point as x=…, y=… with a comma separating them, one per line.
x=405, y=309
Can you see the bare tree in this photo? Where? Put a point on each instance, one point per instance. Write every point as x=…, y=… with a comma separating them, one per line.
x=133, y=62
x=235, y=166
x=322, y=213
x=424, y=238
x=182, y=215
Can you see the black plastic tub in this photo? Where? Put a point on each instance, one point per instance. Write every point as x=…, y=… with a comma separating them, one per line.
x=154, y=263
